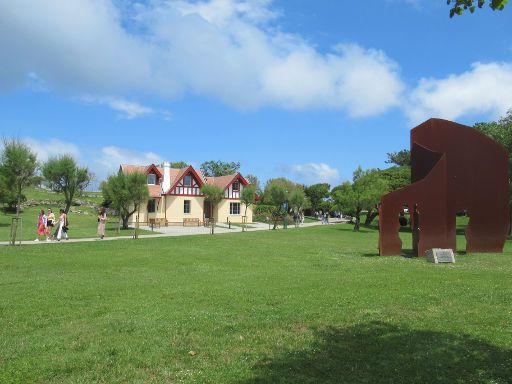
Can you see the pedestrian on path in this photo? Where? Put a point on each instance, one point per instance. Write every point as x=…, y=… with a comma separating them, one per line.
x=50, y=223
x=102, y=219
x=63, y=226
x=41, y=225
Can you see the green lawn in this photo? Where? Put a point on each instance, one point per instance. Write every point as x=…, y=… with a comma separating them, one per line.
x=310, y=305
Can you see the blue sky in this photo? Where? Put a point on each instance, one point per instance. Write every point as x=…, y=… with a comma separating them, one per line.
x=304, y=89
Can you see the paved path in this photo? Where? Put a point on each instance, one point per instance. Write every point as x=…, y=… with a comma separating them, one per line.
x=178, y=231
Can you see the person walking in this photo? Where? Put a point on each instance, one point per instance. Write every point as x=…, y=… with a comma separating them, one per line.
x=50, y=223
x=63, y=226
x=102, y=219
x=41, y=225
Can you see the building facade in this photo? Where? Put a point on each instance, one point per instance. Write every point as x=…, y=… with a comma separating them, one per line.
x=175, y=195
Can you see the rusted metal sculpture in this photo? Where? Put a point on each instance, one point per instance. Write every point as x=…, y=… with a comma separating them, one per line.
x=454, y=168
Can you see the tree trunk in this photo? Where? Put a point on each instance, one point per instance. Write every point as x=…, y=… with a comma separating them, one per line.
x=68, y=205
x=510, y=221
x=372, y=214
x=357, y=224
x=125, y=221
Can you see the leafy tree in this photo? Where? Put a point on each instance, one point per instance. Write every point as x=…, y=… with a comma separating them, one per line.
x=214, y=195
x=364, y=192
x=253, y=180
x=219, y=168
x=459, y=6
x=397, y=177
x=63, y=175
x=178, y=164
x=248, y=198
x=286, y=184
x=278, y=196
x=501, y=131
x=18, y=165
x=126, y=193
x=401, y=158
x=317, y=193
x=297, y=201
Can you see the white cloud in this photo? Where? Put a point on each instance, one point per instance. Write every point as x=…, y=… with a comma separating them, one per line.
x=111, y=157
x=128, y=109
x=312, y=173
x=51, y=148
x=230, y=50
x=485, y=89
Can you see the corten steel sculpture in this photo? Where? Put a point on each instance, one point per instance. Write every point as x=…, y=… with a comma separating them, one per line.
x=453, y=168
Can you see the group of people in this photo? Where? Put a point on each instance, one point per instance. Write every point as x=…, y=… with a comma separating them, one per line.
x=46, y=224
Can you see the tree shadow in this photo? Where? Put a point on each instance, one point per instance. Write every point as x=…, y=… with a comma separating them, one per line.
x=377, y=352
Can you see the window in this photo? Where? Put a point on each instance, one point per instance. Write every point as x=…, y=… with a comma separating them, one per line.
x=236, y=186
x=186, y=206
x=234, y=208
x=152, y=178
x=187, y=181
x=152, y=206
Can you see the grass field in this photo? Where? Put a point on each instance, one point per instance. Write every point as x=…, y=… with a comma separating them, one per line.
x=312, y=305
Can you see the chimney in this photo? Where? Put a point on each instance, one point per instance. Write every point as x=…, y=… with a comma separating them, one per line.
x=166, y=183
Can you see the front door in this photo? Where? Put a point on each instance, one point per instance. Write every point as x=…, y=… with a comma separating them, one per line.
x=207, y=209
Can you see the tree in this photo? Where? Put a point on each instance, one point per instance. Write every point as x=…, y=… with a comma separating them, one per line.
x=126, y=193
x=364, y=192
x=248, y=198
x=278, y=196
x=18, y=165
x=214, y=195
x=501, y=132
x=179, y=164
x=63, y=175
x=219, y=168
x=297, y=200
x=401, y=158
x=397, y=177
x=459, y=6
x=317, y=193
x=254, y=181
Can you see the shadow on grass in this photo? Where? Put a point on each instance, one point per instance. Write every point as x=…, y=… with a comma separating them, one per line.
x=378, y=352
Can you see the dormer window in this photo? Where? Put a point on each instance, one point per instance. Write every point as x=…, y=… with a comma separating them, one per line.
x=187, y=181
x=236, y=186
x=152, y=179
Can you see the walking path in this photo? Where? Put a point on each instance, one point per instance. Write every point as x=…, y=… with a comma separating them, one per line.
x=180, y=231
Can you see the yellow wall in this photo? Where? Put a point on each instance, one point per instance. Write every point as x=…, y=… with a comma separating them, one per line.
x=171, y=208
x=222, y=212
x=175, y=208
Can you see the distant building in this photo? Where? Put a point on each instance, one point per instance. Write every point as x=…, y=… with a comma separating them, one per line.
x=175, y=195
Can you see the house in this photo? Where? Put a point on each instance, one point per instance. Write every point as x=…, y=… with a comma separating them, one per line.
x=175, y=195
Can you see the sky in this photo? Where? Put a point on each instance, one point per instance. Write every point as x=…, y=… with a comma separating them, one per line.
x=304, y=89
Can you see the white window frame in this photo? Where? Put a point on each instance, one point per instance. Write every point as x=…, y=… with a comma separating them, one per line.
x=189, y=207
x=150, y=183
x=232, y=205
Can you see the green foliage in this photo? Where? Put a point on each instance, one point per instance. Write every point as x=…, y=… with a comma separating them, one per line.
x=253, y=180
x=397, y=177
x=126, y=193
x=287, y=185
x=18, y=165
x=214, y=168
x=364, y=193
x=401, y=158
x=317, y=193
x=178, y=164
x=248, y=196
x=213, y=193
x=459, y=6
x=297, y=200
x=63, y=175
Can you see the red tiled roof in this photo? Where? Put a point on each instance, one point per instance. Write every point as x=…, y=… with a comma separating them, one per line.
x=155, y=191
x=129, y=169
x=225, y=181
